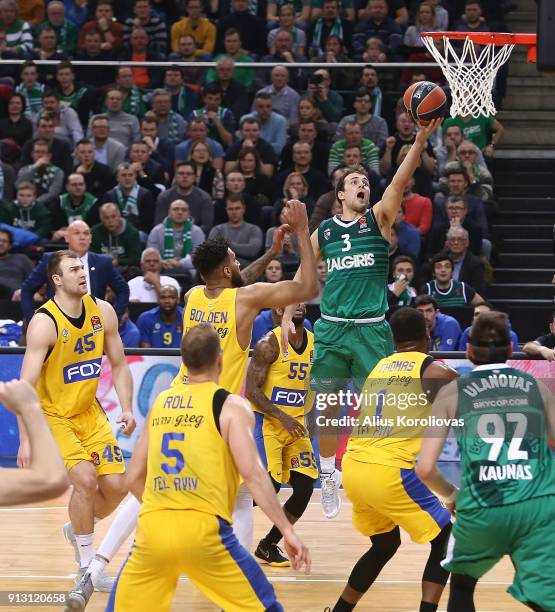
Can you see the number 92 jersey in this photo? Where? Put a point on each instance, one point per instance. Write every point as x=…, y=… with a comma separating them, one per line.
x=69, y=377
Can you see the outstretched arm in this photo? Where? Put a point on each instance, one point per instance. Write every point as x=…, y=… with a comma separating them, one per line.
x=387, y=208
x=254, y=271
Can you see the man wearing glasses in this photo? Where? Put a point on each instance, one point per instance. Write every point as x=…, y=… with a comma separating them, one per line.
x=373, y=127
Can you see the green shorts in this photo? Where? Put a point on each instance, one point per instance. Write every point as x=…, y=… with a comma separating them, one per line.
x=347, y=351
x=524, y=531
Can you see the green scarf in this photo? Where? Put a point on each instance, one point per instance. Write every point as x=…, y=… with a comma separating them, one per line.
x=169, y=251
x=336, y=30
x=128, y=205
x=173, y=136
x=80, y=213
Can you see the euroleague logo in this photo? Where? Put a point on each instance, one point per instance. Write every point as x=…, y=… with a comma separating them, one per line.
x=95, y=458
x=96, y=323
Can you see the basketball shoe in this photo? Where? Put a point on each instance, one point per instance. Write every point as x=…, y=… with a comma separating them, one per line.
x=330, y=498
x=271, y=554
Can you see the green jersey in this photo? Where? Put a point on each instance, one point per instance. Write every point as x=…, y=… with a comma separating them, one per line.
x=458, y=294
x=505, y=457
x=357, y=263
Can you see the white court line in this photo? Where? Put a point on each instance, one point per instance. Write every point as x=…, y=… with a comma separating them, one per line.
x=33, y=508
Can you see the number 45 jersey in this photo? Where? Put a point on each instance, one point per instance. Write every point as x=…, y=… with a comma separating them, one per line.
x=69, y=377
x=505, y=457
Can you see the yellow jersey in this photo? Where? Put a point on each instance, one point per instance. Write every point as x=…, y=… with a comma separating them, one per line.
x=288, y=378
x=190, y=467
x=69, y=377
x=219, y=312
x=393, y=412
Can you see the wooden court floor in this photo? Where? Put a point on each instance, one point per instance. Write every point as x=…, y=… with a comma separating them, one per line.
x=34, y=556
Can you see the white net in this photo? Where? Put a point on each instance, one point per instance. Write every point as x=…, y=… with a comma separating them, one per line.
x=470, y=70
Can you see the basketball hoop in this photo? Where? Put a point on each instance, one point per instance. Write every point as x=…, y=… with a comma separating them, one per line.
x=470, y=67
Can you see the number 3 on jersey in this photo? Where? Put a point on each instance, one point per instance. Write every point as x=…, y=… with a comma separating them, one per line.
x=347, y=241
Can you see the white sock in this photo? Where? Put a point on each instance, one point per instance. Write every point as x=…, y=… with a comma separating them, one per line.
x=96, y=568
x=243, y=517
x=120, y=529
x=86, y=549
x=327, y=464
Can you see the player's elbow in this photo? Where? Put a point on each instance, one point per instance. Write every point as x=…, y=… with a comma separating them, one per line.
x=423, y=470
x=55, y=483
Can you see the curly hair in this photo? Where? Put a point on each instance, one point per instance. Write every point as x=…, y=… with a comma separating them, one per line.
x=209, y=256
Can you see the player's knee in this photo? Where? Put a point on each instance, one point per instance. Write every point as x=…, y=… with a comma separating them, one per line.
x=302, y=486
x=83, y=478
x=113, y=487
x=385, y=545
x=439, y=543
x=463, y=583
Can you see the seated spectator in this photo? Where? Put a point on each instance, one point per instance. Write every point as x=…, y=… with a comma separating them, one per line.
x=7, y=182
x=61, y=151
x=457, y=216
x=273, y=126
x=283, y=54
x=481, y=181
x=401, y=292
x=198, y=132
x=155, y=27
x=418, y=209
x=14, y=267
x=373, y=127
x=472, y=20
x=425, y=22
x=444, y=330
x=353, y=136
x=235, y=95
x=219, y=120
x=478, y=310
x=336, y=52
x=31, y=89
x=200, y=203
x=26, y=212
x=375, y=52
x=317, y=181
x=328, y=101
x=47, y=50
x=273, y=273
x=544, y=346
x=251, y=28
x=123, y=127
x=395, y=250
x=128, y=331
x=76, y=204
x=295, y=187
x=185, y=52
x=73, y=93
x=47, y=178
x=322, y=274
x=441, y=16
x=379, y=25
x=150, y=174
x=200, y=28
x=207, y=177
x=447, y=292
x=258, y=185
x=107, y=150
x=75, y=13
x=133, y=96
x=467, y=267
x=308, y=109
x=235, y=184
x=162, y=327
x=410, y=240
x=139, y=50
x=307, y=132
x=66, y=121
x=370, y=80
x=116, y=237
x=19, y=37
x=250, y=137
x=146, y=288
x=395, y=9
x=161, y=150
x=330, y=22
x=184, y=97
x=99, y=178
x=245, y=239
x=448, y=150
x=288, y=21
x=66, y=32
x=176, y=238
x=285, y=100
x=31, y=11
x=135, y=203
x=90, y=50
x=233, y=46
x=269, y=319
x=15, y=124
x=110, y=30
x=484, y=132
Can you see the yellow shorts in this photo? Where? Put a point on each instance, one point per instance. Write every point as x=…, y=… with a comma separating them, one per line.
x=170, y=543
x=87, y=437
x=281, y=454
x=384, y=497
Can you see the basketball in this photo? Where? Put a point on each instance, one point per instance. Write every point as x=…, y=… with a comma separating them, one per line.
x=425, y=101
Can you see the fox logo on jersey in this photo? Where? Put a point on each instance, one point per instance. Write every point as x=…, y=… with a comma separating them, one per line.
x=96, y=323
x=288, y=397
x=84, y=370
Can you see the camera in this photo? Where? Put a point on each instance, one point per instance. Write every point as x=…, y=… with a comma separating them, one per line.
x=315, y=79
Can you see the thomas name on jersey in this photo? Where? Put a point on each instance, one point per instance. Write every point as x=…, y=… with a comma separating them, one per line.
x=347, y=262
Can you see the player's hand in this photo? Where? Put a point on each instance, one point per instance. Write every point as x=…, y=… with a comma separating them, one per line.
x=18, y=396
x=547, y=353
x=128, y=423
x=278, y=239
x=287, y=327
x=426, y=131
x=487, y=151
x=295, y=429
x=295, y=216
x=298, y=553
x=452, y=507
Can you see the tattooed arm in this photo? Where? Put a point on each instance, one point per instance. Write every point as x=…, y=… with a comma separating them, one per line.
x=254, y=271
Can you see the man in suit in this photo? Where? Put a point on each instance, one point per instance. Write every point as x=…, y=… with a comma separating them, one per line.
x=467, y=268
x=106, y=150
x=99, y=269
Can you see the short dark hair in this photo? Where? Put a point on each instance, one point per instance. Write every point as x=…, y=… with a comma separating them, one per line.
x=83, y=141
x=65, y=64
x=263, y=95
x=362, y=91
x=212, y=89
x=54, y=261
x=490, y=338
x=424, y=300
x=200, y=347
x=41, y=141
x=407, y=324
x=185, y=162
x=403, y=259
x=231, y=32
x=341, y=182
x=7, y=232
x=455, y=198
x=27, y=64
x=458, y=169
x=209, y=256
x=443, y=256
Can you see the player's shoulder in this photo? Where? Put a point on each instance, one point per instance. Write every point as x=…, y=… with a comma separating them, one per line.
x=149, y=315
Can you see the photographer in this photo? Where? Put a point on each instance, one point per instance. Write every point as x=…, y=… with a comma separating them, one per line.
x=400, y=292
x=329, y=102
